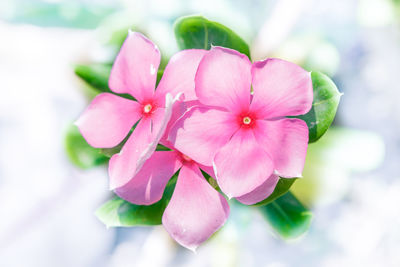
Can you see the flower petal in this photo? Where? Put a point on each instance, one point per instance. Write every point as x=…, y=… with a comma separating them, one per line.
x=223, y=79
x=196, y=210
x=108, y=120
x=261, y=192
x=161, y=119
x=286, y=140
x=281, y=88
x=178, y=109
x=147, y=186
x=242, y=165
x=124, y=165
x=140, y=145
x=201, y=132
x=179, y=74
x=135, y=68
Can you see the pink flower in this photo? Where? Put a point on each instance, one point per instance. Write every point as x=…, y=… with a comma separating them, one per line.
x=247, y=137
x=109, y=118
x=195, y=211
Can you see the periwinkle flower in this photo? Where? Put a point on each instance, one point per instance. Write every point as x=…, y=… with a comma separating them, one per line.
x=109, y=118
x=247, y=137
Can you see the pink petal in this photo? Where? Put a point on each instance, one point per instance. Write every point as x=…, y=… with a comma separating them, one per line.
x=223, y=79
x=286, y=140
x=135, y=69
x=147, y=186
x=261, y=192
x=201, y=132
x=124, y=165
x=179, y=108
x=108, y=120
x=281, y=88
x=161, y=118
x=242, y=165
x=179, y=74
x=196, y=210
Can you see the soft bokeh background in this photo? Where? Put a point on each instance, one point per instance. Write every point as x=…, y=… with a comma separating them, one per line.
x=352, y=177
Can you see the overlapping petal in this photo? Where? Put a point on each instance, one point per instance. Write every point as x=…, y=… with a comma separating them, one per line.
x=223, y=79
x=179, y=75
x=281, y=88
x=201, y=132
x=148, y=185
x=108, y=120
x=261, y=192
x=242, y=164
x=135, y=69
x=196, y=210
x=287, y=141
x=124, y=165
x=178, y=109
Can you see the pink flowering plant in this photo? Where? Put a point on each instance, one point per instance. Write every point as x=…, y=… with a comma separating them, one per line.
x=218, y=131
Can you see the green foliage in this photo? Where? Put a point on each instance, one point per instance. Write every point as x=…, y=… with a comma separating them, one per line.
x=287, y=216
x=80, y=152
x=118, y=212
x=324, y=107
x=199, y=32
x=281, y=188
x=95, y=75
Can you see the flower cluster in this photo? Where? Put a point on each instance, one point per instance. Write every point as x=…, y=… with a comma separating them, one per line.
x=218, y=113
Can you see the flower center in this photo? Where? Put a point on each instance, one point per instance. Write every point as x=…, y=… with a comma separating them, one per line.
x=246, y=120
x=147, y=108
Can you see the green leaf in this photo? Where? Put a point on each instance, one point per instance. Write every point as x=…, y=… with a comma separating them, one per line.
x=281, y=188
x=324, y=107
x=287, y=216
x=121, y=213
x=162, y=148
x=80, y=152
x=199, y=32
x=109, y=152
x=96, y=75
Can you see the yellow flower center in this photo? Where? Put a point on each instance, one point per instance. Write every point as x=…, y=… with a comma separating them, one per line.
x=147, y=108
x=246, y=120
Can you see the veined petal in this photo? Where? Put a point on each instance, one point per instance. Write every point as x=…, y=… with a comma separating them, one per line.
x=223, y=79
x=124, y=165
x=201, y=132
x=135, y=68
x=196, y=210
x=179, y=75
x=242, y=165
x=261, y=192
x=147, y=186
x=281, y=88
x=286, y=140
x=108, y=120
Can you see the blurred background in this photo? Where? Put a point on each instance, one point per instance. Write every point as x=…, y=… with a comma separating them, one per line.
x=352, y=175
